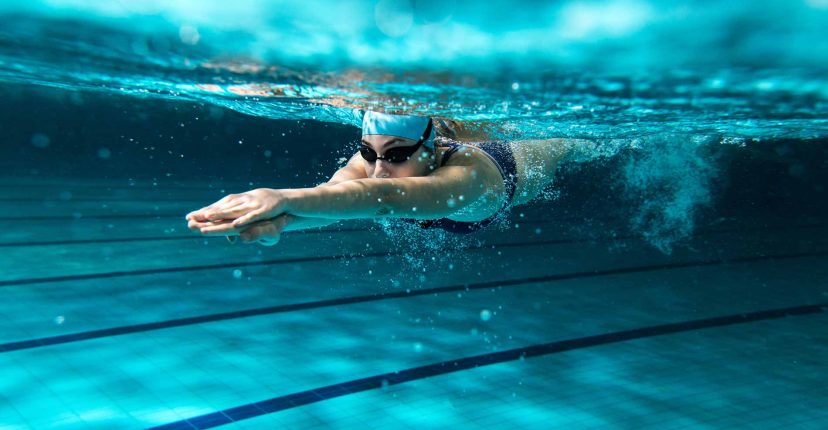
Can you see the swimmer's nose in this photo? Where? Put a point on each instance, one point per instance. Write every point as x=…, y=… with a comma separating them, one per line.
x=382, y=169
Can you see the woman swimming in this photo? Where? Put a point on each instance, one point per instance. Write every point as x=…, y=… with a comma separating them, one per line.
x=403, y=170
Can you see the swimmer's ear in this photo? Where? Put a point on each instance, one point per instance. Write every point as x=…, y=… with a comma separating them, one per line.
x=446, y=127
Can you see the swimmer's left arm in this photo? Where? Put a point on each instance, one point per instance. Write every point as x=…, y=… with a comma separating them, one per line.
x=444, y=192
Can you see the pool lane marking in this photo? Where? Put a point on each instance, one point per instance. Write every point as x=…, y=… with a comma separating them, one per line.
x=84, y=217
x=137, y=328
x=141, y=272
x=290, y=401
x=60, y=186
x=332, y=230
x=146, y=239
x=101, y=199
x=28, y=243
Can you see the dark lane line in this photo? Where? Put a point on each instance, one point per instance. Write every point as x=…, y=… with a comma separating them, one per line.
x=122, y=273
x=149, y=238
x=195, y=236
x=61, y=186
x=301, y=398
x=85, y=217
x=181, y=217
x=117, y=331
x=100, y=200
x=141, y=272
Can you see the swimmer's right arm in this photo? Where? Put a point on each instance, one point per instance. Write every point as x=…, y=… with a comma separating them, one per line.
x=274, y=227
x=350, y=171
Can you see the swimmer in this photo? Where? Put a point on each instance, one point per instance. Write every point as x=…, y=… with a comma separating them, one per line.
x=416, y=168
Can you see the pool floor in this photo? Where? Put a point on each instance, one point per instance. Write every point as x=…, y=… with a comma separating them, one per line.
x=114, y=315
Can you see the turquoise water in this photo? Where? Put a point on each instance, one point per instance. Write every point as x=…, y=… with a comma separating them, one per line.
x=614, y=69
x=672, y=276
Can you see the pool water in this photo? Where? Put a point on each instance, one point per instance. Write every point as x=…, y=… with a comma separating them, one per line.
x=673, y=275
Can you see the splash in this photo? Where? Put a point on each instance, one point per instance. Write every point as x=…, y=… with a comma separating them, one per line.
x=669, y=176
x=428, y=248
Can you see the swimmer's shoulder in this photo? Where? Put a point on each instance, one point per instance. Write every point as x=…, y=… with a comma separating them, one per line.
x=467, y=155
x=353, y=169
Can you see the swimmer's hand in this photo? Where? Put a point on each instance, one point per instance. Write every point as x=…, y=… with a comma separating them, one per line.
x=266, y=232
x=244, y=208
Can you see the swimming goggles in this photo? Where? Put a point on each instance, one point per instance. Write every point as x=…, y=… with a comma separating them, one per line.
x=397, y=154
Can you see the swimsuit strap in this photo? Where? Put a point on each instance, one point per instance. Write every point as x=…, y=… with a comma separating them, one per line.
x=453, y=148
x=503, y=159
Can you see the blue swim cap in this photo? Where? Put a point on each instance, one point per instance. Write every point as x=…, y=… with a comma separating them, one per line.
x=407, y=126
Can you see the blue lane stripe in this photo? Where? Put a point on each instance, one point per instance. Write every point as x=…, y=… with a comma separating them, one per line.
x=146, y=239
x=207, y=188
x=102, y=199
x=99, y=275
x=91, y=241
x=102, y=216
x=314, y=231
x=122, y=273
x=117, y=331
x=290, y=401
x=192, y=236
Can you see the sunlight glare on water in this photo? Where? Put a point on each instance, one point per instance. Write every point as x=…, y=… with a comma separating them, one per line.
x=601, y=69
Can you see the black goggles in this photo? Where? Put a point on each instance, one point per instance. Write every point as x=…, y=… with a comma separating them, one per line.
x=399, y=154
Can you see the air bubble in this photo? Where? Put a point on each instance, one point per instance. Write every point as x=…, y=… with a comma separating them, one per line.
x=40, y=140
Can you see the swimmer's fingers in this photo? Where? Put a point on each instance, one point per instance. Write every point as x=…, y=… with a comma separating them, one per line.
x=196, y=215
x=194, y=225
x=203, y=213
x=225, y=229
x=250, y=217
x=197, y=226
x=228, y=212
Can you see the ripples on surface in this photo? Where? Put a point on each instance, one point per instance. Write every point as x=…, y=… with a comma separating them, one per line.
x=606, y=70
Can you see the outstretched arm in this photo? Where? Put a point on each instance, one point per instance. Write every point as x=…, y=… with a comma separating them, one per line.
x=207, y=216
x=351, y=171
x=448, y=190
x=422, y=197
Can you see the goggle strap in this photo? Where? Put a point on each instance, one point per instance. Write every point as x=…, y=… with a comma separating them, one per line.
x=427, y=132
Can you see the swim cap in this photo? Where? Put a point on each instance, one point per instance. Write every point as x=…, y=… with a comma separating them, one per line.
x=407, y=126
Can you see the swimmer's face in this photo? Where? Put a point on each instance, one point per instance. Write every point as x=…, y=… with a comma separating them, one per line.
x=418, y=164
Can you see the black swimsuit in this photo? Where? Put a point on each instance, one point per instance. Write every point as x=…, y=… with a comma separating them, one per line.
x=501, y=154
